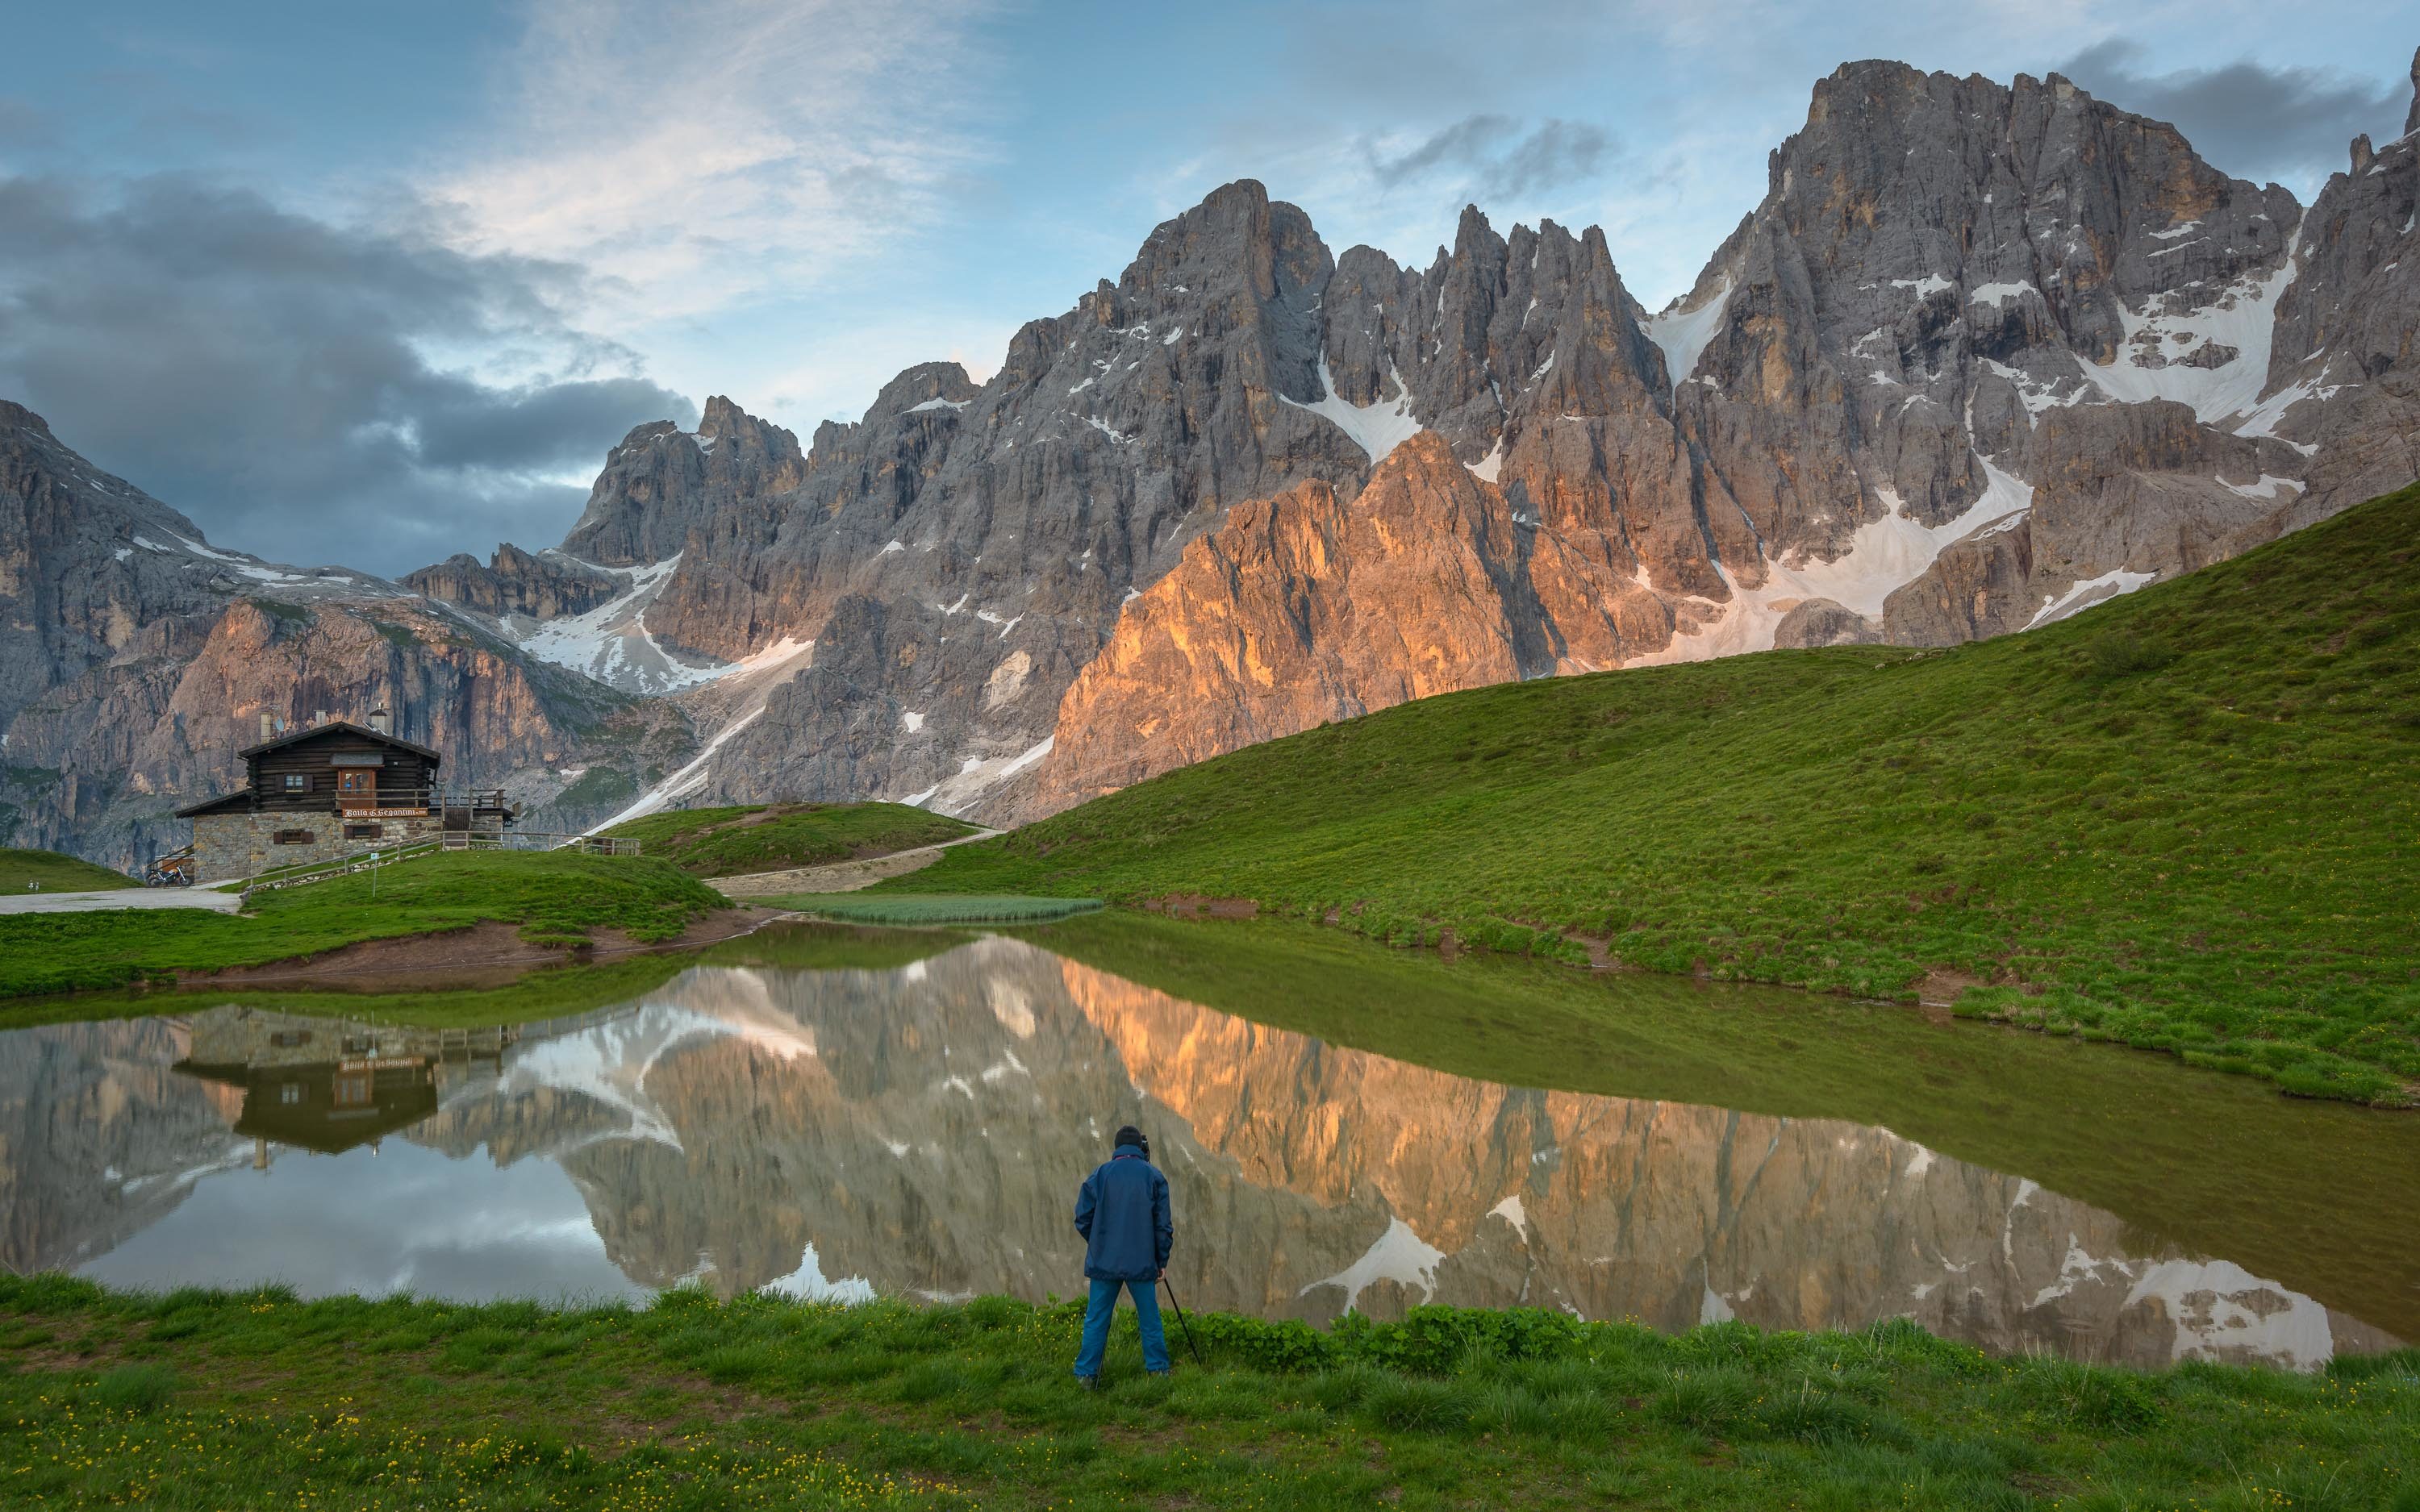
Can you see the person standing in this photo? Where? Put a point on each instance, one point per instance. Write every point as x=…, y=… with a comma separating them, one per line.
x=1123, y=1214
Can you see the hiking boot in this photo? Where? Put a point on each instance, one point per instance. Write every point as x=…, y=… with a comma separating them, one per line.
x=1088, y=1382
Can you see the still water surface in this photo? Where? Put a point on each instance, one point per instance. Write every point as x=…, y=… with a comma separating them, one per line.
x=920, y=1131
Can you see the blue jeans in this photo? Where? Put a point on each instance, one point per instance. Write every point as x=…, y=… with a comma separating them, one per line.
x=1096, y=1326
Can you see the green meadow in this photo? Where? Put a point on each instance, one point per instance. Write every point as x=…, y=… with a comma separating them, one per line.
x=2187, y=820
x=732, y=842
x=199, y=1399
x=555, y=898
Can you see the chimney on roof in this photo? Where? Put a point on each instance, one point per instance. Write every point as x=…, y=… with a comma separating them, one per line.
x=378, y=721
x=268, y=725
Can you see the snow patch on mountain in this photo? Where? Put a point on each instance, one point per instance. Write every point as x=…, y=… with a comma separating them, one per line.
x=1884, y=555
x=2178, y=355
x=1377, y=428
x=2083, y=594
x=689, y=780
x=611, y=643
x=1683, y=334
x=1487, y=467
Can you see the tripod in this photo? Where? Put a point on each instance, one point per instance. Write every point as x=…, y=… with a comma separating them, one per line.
x=1181, y=1320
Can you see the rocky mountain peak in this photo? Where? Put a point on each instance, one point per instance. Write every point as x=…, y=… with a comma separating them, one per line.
x=1984, y=354
x=2412, y=116
x=927, y=387
x=640, y=436
x=15, y=416
x=516, y=582
x=1236, y=235
x=661, y=480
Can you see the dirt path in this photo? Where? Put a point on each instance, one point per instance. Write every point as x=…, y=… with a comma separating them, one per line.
x=840, y=876
x=80, y=903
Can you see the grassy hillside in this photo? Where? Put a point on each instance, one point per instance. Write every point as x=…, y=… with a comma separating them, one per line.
x=729, y=842
x=205, y=1398
x=53, y=873
x=554, y=896
x=2184, y=820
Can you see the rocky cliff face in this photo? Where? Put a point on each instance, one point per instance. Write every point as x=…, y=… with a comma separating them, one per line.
x=1984, y=356
x=516, y=584
x=1311, y=606
x=139, y=659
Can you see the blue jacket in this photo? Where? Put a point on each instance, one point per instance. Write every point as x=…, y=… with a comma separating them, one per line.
x=1122, y=1214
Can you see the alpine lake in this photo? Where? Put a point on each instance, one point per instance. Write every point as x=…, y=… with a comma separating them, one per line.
x=839, y=1113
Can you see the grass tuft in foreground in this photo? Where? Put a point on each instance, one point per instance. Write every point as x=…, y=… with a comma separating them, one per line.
x=733, y=842
x=205, y=1398
x=2187, y=820
x=556, y=897
x=52, y=872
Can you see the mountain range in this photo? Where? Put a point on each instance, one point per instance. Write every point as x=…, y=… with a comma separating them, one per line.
x=1984, y=356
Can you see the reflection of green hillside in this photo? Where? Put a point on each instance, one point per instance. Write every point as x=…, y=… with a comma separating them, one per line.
x=833, y=947
x=2316, y=1195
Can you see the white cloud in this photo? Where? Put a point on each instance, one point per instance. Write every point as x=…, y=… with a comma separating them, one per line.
x=696, y=154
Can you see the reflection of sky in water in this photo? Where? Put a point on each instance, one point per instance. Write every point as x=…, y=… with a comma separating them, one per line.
x=403, y=1219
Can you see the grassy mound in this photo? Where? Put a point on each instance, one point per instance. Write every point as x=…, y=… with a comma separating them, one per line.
x=729, y=842
x=253, y=1398
x=554, y=896
x=2184, y=820
x=920, y=908
x=53, y=873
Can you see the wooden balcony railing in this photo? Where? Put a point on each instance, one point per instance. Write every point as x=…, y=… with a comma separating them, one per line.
x=413, y=803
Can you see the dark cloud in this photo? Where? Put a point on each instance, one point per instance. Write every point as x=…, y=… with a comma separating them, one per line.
x=22, y=126
x=296, y=386
x=1492, y=159
x=2246, y=118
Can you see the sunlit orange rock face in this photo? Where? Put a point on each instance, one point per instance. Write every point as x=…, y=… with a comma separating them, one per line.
x=1311, y=606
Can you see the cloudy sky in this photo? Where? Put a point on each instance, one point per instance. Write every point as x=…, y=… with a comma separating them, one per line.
x=373, y=284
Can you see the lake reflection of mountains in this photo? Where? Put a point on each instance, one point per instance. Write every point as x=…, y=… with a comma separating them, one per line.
x=921, y=1131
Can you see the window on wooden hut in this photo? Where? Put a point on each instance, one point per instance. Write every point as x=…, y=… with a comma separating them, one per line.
x=290, y=836
x=297, y=782
x=364, y=831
